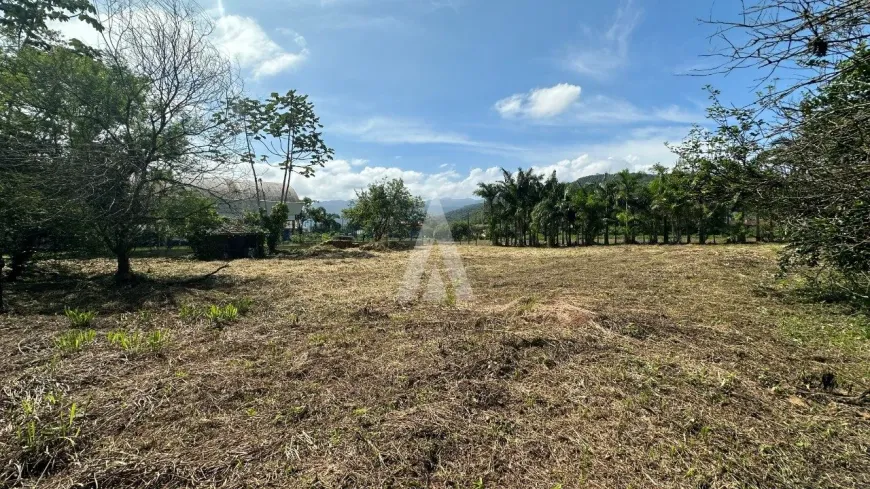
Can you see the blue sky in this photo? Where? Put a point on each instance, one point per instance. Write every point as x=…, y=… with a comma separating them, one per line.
x=444, y=92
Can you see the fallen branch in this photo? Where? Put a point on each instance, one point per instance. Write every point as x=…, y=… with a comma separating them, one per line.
x=202, y=277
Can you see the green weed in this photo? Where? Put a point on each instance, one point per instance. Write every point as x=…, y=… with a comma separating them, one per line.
x=139, y=342
x=189, y=312
x=71, y=341
x=243, y=305
x=220, y=315
x=45, y=429
x=79, y=319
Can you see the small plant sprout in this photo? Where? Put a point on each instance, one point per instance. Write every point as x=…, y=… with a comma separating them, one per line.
x=79, y=319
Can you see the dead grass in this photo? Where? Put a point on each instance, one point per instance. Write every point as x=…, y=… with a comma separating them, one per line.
x=601, y=367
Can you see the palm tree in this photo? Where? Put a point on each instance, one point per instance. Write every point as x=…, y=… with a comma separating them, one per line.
x=509, y=198
x=607, y=190
x=627, y=187
x=489, y=193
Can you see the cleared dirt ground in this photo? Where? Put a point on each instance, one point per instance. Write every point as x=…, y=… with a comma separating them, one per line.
x=630, y=366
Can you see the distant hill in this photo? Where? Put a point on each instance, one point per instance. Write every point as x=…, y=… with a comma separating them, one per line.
x=474, y=212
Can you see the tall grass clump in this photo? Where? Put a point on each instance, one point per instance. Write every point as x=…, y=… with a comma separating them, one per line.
x=75, y=340
x=138, y=341
x=222, y=315
x=79, y=319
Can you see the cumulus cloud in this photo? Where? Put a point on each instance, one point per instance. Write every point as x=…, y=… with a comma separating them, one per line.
x=605, y=52
x=637, y=150
x=240, y=39
x=539, y=103
x=244, y=41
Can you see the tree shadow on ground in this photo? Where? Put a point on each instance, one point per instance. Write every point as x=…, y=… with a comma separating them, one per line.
x=315, y=253
x=50, y=290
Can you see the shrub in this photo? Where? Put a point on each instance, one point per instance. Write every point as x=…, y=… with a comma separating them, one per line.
x=79, y=319
x=139, y=342
x=75, y=340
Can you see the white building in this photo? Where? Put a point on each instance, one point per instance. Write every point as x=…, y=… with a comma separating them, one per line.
x=235, y=198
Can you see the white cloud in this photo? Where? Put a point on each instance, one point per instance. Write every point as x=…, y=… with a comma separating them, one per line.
x=606, y=110
x=606, y=51
x=562, y=105
x=393, y=130
x=239, y=38
x=389, y=130
x=243, y=40
x=637, y=150
x=540, y=103
x=358, y=162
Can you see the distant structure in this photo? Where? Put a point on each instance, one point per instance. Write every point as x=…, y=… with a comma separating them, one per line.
x=236, y=198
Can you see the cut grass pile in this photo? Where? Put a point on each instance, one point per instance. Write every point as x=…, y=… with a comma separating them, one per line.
x=597, y=367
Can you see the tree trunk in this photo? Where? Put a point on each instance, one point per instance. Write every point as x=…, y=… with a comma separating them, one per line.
x=18, y=264
x=124, y=272
x=757, y=228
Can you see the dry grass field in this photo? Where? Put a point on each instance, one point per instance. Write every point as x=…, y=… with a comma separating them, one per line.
x=619, y=367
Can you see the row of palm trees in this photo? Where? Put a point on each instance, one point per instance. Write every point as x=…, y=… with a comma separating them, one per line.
x=669, y=206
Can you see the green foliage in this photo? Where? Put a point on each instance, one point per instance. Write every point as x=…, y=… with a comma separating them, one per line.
x=138, y=341
x=79, y=319
x=274, y=223
x=826, y=193
x=190, y=215
x=27, y=19
x=243, y=305
x=215, y=313
x=387, y=209
x=75, y=340
x=461, y=231
x=221, y=315
x=284, y=127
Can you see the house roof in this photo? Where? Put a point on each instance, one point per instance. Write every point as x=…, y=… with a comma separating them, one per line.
x=235, y=227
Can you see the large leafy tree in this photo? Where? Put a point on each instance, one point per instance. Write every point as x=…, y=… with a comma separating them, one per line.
x=386, y=209
x=826, y=199
x=147, y=117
